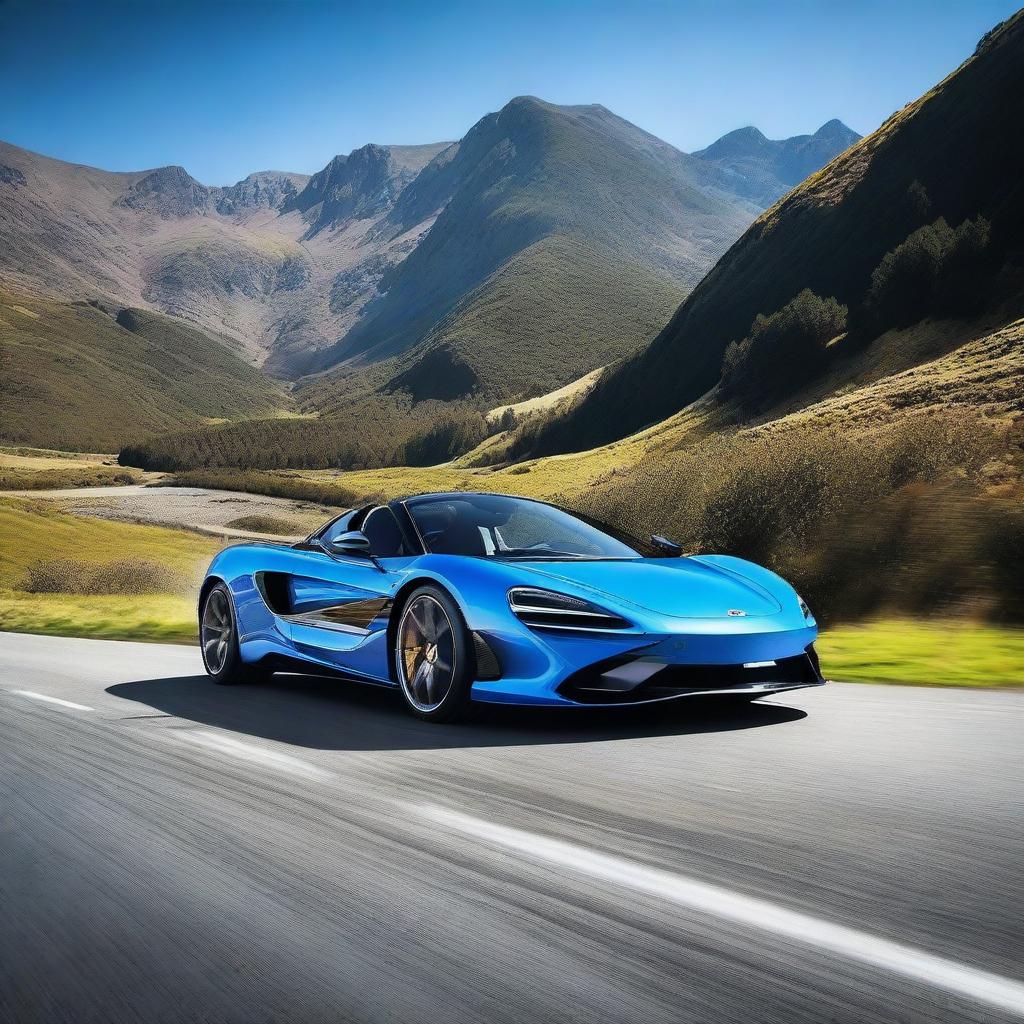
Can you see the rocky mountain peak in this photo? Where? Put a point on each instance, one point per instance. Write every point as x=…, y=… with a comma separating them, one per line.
x=741, y=142
x=166, y=192
x=262, y=190
x=836, y=132
x=361, y=185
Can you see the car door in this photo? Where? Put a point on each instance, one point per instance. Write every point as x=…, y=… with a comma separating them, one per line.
x=340, y=604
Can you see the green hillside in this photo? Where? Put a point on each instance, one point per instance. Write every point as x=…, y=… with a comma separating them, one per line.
x=921, y=219
x=79, y=377
x=516, y=336
x=552, y=313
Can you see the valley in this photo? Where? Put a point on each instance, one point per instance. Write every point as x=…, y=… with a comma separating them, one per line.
x=545, y=243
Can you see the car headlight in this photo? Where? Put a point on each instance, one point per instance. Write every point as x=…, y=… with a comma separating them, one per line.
x=546, y=609
x=805, y=608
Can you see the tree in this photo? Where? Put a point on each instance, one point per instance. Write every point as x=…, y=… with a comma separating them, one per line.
x=783, y=350
x=934, y=269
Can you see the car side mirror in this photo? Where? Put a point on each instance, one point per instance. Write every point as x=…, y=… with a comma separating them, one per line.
x=352, y=542
x=668, y=546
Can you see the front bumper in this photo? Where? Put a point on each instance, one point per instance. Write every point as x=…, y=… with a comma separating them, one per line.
x=744, y=658
x=647, y=679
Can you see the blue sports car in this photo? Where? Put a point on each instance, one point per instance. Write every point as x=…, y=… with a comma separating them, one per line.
x=463, y=597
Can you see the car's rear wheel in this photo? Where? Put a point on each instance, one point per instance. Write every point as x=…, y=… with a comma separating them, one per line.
x=433, y=659
x=218, y=640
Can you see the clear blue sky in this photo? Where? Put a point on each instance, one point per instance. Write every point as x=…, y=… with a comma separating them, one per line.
x=225, y=88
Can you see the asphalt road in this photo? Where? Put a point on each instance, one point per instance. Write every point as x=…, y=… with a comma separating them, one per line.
x=304, y=851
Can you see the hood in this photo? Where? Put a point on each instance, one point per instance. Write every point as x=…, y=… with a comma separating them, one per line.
x=682, y=587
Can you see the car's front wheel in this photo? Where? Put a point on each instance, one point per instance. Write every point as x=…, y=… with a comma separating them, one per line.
x=433, y=659
x=218, y=640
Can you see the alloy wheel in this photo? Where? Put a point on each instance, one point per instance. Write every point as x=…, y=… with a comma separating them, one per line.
x=426, y=653
x=216, y=631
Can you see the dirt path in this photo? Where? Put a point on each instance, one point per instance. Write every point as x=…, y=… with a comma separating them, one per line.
x=193, y=508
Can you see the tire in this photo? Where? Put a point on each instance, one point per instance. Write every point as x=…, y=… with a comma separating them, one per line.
x=218, y=641
x=433, y=657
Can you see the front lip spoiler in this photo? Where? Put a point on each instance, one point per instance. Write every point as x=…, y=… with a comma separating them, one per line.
x=758, y=689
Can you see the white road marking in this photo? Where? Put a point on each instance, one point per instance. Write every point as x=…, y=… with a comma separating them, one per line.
x=251, y=753
x=53, y=700
x=916, y=964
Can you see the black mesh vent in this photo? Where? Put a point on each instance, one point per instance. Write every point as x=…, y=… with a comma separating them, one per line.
x=633, y=678
x=487, y=664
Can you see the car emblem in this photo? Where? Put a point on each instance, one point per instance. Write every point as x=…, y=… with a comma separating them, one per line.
x=736, y=612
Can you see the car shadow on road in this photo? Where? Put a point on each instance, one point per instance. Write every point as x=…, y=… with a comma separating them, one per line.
x=329, y=714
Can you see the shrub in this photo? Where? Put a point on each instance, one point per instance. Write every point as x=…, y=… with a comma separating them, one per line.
x=449, y=437
x=782, y=350
x=934, y=270
x=55, y=479
x=896, y=519
x=126, y=576
x=920, y=203
x=259, y=523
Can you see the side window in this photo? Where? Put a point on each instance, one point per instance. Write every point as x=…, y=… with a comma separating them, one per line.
x=385, y=535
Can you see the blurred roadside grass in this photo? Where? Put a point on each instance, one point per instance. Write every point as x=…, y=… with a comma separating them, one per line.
x=69, y=575
x=33, y=533
x=157, y=618
x=930, y=653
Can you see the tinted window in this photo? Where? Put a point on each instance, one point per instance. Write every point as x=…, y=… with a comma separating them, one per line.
x=385, y=535
x=497, y=526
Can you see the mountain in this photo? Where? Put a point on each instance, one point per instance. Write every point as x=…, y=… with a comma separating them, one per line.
x=534, y=172
x=762, y=169
x=919, y=221
x=549, y=241
x=563, y=237
x=305, y=271
x=264, y=190
x=359, y=186
x=251, y=262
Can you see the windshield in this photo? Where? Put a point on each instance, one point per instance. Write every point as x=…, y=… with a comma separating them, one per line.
x=497, y=526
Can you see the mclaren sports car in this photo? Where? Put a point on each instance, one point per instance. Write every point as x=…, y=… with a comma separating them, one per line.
x=455, y=598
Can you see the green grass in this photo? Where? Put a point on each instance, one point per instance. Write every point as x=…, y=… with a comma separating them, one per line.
x=31, y=531
x=947, y=653
x=78, y=378
x=909, y=653
x=159, y=618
